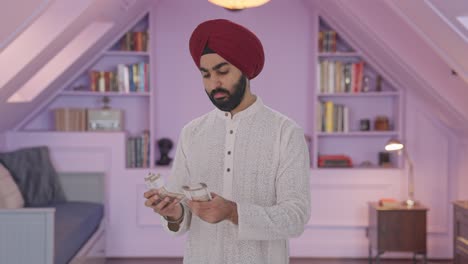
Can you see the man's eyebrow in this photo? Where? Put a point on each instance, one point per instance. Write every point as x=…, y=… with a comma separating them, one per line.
x=219, y=65
x=216, y=67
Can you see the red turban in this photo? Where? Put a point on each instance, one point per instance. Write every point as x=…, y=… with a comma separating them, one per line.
x=235, y=43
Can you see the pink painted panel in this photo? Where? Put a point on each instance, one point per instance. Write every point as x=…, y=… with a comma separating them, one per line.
x=346, y=194
x=73, y=152
x=145, y=216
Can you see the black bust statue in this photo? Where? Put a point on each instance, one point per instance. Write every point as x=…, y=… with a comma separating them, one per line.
x=165, y=146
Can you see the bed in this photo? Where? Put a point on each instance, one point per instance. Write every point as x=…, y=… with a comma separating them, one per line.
x=58, y=223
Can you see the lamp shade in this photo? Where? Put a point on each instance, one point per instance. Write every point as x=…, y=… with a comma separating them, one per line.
x=238, y=4
x=394, y=145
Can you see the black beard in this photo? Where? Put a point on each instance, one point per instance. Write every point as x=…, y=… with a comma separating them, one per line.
x=233, y=100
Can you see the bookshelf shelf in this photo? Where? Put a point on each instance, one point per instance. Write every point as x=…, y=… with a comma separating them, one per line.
x=38, y=131
x=338, y=54
x=360, y=94
x=141, y=171
x=358, y=134
x=126, y=53
x=98, y=94
x=356, y=168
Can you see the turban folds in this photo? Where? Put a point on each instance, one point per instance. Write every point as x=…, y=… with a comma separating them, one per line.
x=235, y=43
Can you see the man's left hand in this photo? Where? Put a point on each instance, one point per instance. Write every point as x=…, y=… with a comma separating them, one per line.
x=216, y=210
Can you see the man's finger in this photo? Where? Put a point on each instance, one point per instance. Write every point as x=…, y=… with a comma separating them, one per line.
x=149, y=193
x=171, y=206
x=203, y=205
x=190, y=203
x=152, y=201
x=162, y=204
x=149, y=203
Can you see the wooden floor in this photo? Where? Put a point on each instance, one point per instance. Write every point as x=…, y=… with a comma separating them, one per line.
x=293, y=261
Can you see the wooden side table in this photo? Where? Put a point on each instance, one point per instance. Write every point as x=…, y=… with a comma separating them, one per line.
x=398, y=228
x=460, y=232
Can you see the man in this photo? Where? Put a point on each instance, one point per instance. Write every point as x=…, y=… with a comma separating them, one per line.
x=253, y=159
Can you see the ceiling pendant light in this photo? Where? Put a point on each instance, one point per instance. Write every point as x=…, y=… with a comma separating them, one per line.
x=238, y=4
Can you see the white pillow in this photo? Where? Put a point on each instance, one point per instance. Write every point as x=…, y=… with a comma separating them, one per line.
x=10, y=196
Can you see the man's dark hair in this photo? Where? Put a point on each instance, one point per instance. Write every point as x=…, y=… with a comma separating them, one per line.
x=207, y=50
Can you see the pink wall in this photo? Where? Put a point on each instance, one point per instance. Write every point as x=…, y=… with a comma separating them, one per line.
x=461, y=180
x=2, y=142
x=285, y=29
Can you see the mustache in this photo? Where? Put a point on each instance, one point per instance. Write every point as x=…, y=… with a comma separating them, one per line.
x=219, y=90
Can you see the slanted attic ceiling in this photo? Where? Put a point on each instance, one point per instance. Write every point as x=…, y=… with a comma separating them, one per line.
x=413, y=42
x=118, y=12
x=19, y=18
x=406, y=53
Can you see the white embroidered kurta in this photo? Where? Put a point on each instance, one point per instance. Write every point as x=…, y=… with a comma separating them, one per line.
x=259, y=159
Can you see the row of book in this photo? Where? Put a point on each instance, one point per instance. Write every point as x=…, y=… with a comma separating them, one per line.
x=341, y=77
x=87, y=119
x=126, y=78
x=134, y=41
x=70, y=119
x=332, y=117
x=138, y=150
x=327, y=41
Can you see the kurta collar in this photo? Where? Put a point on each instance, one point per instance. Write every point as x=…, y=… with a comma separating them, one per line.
x=252, y=109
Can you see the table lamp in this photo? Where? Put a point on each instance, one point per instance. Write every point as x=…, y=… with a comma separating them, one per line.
x=396, y=145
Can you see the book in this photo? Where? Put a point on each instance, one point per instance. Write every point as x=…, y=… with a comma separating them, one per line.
x=389, y=202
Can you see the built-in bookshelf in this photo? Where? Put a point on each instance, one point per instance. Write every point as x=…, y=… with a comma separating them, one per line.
x=117, y=81
x=356, y=109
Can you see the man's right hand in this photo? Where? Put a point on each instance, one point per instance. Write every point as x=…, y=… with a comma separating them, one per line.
x=168, y=207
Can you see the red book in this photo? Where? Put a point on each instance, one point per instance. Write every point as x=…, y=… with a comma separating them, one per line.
x=146, y=75
x=388, y=202
x=107, y=81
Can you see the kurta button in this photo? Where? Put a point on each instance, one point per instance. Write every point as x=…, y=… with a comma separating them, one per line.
x=231, y=131
x=229, y=152
x=226, y=114
x=228, y=169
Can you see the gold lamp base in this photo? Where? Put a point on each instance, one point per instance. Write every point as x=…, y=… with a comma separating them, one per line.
x=410, y=203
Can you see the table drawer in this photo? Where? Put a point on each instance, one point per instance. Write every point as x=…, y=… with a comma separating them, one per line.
x=461, y=252
x=402, y=231
x=460, y=259
x=461, y=232
x=461, y=215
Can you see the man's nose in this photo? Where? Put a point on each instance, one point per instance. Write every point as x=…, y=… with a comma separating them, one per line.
x=215, y=83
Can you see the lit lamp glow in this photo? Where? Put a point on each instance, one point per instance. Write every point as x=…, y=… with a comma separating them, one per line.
x=396, y=145
x=238, y=4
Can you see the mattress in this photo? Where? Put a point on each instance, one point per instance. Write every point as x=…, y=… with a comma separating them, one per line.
x=75, y=223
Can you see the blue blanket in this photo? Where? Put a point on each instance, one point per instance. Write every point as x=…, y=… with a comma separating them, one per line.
x=75, y=223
